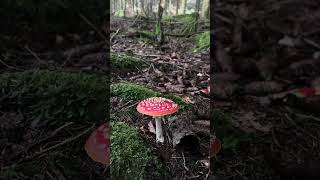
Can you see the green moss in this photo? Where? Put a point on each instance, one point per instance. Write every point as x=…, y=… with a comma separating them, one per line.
x=183, y=18
x=202, y=41
x=123, y=61
x=133, y=92
x=47, y=95
x=131, y=158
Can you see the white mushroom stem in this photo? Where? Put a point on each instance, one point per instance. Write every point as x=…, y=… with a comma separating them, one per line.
x=159, y=132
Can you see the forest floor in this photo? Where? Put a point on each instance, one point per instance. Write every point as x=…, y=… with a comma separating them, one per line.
x=48, y=85
x=266, y=86
x=175, y=69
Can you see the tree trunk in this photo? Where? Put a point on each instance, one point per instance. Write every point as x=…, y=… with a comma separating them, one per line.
x=151, y=7
x=205, y=8
x=142, y=7
x=177, y=7
x=183, y=6
x=169, y=7
x=159, y=32
x=132, y=4
x=197, y=6
x=137, y=7
x=114, y=6
x=165, y=6
x=125, y=7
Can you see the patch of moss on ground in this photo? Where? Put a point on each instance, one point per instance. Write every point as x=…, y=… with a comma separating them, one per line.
x=202, y=41
x=63, y=96
x=134, y=92
x=188, y=21
x=131, y=158
x=183, y=18
x=123, y=61
x=231, y=137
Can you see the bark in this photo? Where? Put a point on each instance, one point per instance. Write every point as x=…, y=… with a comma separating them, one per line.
x=177, y=7
x=166, y=6
x=160, y=36
x=183, y=6
x=132, y=4
x=197, y=6
x=169, y=7
x=205, y=8
x=142, y=7
x=137, y=7
x=124, y=8
x=114, y=6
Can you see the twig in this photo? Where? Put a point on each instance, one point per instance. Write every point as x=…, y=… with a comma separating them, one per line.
x=307, y=117
x=93, y=27
x=33, y=54
x=60, y=144
x=184, y=162
x=8, y=66
x=298, y=127
x=311, y=42
x=114, y=35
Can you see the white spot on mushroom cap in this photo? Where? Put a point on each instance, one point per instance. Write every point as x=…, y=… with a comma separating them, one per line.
x=157, y=104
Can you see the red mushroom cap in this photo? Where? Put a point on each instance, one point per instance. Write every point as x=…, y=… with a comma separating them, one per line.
x=157, y=106
x=98, y=144
x=206, y=91
x=215, y=146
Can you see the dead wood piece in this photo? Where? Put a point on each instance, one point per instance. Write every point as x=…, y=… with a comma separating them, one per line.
x=81, y=50
x=220, y=77
x=180, y=127
x=263, y=87
x=94, y=58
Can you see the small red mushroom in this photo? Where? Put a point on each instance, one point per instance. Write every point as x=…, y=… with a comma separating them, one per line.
x=215, y=147
x=98, y=144
x=157, y=107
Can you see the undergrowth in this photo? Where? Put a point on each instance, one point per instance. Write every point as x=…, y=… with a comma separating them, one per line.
x=202, y=41
x=188, y=21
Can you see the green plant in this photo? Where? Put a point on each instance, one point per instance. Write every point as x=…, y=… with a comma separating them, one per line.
x=131, y=158
x=202, y=41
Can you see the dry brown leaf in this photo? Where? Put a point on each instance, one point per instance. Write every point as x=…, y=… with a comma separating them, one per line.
x=223, y=90
x=266, y=66
x=248, y=122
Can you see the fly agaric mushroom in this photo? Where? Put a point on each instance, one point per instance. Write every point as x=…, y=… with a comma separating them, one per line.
x=98, y=144
x=157, y=107
x=215, y=146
